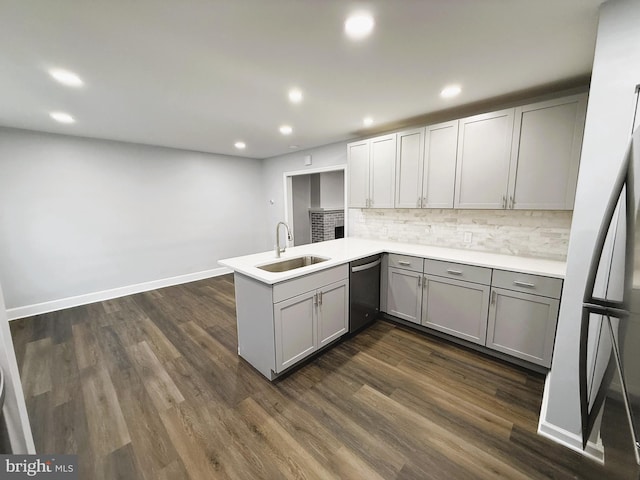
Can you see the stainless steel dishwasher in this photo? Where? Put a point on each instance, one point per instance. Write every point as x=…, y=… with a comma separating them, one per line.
x=364, y=292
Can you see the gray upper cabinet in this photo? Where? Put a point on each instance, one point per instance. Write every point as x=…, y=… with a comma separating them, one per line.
x=371, y=170
x=439, y=176
x=546, y=154
x=358, y=165
x=483, y=158
x=409, y=166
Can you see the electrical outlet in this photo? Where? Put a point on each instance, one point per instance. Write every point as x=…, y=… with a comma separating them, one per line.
x=468, y=236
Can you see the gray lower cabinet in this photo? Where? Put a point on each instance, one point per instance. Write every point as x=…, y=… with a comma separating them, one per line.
x=522, y=325
x=456, y=307
x=307, y=322
x=404, y=293
x=281, y=324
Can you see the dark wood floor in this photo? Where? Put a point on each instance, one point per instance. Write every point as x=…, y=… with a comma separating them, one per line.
x=150, y=387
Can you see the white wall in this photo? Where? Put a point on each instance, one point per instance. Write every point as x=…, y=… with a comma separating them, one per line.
x=79, y=215
x=14, y=411
x=272, y=179
x=616, y=71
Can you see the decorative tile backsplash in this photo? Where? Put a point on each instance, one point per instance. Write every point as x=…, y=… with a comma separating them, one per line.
x=529, y=233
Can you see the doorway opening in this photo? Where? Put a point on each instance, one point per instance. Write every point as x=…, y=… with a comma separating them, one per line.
x=315, y=204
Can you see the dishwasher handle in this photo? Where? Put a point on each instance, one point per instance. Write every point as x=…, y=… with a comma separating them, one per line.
x=366, y=266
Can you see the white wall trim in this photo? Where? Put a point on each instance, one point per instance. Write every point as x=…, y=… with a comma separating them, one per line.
x=53, y=305
x=594, y=450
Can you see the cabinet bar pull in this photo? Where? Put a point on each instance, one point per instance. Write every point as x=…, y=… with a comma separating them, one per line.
x=504, y=201
x=419, y=203
x=512, y=202
x=419, y=280
x=315, y=299
x=424, y=284
x=454, y=272
x=423, y=204
x=404, y=262
x=524, y=284
x=493, y=297
x=320, y=298
x=370, y=202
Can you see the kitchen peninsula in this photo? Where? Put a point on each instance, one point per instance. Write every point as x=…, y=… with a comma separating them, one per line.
x=284, y=317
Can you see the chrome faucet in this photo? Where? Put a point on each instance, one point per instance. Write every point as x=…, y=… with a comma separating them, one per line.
x=278, y=249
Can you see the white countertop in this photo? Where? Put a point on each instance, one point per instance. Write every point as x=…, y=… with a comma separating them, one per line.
x=347, y=249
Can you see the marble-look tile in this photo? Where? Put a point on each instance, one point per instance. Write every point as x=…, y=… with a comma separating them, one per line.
x=530, y=233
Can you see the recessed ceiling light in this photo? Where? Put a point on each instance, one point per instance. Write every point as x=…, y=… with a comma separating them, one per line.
x=367, y=121
x=66, y=77
x=450, y=91
x=286, y=130
x=293, y=147
x=62, y=117
x=295, y=95
x=240, y=145
x=359, y=25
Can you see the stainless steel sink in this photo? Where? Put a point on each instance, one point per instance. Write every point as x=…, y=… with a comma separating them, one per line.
x=292, y=263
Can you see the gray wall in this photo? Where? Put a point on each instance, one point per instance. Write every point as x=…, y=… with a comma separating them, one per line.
x=273, y=180
x=301, y=193
x=616, y=71
x=332, y=189
x=79, y=216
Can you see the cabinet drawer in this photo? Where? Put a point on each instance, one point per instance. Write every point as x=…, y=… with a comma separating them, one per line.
x=299, y=285
x=522, y=282
x=406, y=262
x=459, y=271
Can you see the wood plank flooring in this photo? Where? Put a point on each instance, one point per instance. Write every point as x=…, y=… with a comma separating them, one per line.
x=150, y=387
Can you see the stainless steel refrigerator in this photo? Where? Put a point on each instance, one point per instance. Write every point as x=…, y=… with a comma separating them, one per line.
x=610, y=327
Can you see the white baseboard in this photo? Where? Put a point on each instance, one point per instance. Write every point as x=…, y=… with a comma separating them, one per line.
x=594, y=450
x=53, y=305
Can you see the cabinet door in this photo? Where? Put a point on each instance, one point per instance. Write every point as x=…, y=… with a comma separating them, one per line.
x=441, y=147
x=382, y=168
x=546, y=154
x=522, y=325
x=457, y=308
x=295, y=329
x=333, y=312
x=404, y=294
x=409, y=163
x=484, y=154
x=358, y=172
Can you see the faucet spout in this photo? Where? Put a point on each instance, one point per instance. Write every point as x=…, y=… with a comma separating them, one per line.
x=278, y=249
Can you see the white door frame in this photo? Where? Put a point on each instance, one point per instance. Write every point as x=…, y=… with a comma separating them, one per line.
x=288, y=192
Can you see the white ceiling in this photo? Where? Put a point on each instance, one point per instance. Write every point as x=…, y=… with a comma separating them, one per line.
x=203, y=74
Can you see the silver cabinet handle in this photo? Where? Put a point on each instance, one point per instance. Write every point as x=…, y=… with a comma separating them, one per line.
x=404, y=262
x=419, y=280
x=512, y=202
x=524, y=284
x=454, y=272
x=320, y=298
x=493, y=297
x=315, y=299
x=424, y=284
x=419, y=203
x=504, y=201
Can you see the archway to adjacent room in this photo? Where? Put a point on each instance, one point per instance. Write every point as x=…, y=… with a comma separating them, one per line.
x=315, y=204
